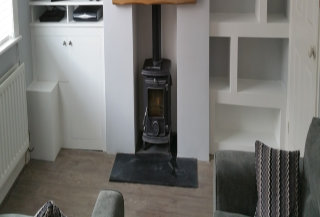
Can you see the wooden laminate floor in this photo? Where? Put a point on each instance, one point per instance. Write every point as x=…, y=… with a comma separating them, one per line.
x=74, y=180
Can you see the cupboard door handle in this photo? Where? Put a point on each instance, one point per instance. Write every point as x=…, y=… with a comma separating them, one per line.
x=70, y=43
x=64, y=43
x=312, y=53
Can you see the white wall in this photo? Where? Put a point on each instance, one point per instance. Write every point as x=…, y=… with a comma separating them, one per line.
x=193, y=80
x=119, y=65
x=25, y=45
x=8, y=59
x=22, y=51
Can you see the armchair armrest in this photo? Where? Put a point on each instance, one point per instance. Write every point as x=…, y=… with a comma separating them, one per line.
x=236, y=190
x=109, y=204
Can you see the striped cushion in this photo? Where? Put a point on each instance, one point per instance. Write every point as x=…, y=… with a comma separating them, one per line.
x=49, y=209
x=277, y=175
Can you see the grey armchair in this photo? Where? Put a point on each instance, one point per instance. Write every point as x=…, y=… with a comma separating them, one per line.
x=109, y=204
x=236, y=192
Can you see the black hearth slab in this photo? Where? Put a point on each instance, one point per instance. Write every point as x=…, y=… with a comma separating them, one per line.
x=154, y=169
x=162, y=70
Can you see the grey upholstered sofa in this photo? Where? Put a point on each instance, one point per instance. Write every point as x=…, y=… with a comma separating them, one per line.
x=236, y=193
x=109, y=204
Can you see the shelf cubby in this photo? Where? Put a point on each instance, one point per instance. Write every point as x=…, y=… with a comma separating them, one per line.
x=38, y=10
x=220, y=63
x=233, y=10
x=262, y=69
x=233, y=6
x=238, y=127
x=278, y=11
x=249, y=18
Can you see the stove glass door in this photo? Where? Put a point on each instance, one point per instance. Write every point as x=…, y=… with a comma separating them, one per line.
x=155, y=102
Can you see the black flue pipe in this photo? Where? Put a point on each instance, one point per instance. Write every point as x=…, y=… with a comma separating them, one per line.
x=156, y=34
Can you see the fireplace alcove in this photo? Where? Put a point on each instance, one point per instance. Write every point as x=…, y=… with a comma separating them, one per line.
x=156, y=66
x=183, y=40
x=156, y=39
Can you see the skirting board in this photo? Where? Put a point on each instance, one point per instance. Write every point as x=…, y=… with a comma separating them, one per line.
x=12, y=178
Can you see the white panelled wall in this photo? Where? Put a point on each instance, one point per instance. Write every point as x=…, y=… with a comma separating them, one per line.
x=119, y=65
x=193, y=80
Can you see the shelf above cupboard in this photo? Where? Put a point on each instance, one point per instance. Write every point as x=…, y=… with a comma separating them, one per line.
x=247, y=25
x=64, y=3
x=65, y=23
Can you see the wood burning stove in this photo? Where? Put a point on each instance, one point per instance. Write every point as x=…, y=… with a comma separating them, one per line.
x=156, y=90
x=157, y=94
x=157, y=103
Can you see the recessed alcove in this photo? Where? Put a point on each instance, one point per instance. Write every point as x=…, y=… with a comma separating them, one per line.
x=219, y=63
x=278, y=11
x=235, y=10
x=233, y=6
x=186, y=44
x=263, y=65
x=238, y=127
x=143, y=50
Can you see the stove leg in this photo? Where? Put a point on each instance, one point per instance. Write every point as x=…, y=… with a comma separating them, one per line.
x=173, y=165
x=144, y=145
x=173, y=162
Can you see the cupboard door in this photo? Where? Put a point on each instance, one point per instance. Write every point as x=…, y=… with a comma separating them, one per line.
x=49, y=56
x=83, y=100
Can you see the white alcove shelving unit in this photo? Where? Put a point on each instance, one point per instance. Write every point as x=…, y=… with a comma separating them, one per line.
x=71, y=54
x=249, y=42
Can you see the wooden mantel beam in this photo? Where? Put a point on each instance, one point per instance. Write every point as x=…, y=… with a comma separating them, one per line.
x=150, y=2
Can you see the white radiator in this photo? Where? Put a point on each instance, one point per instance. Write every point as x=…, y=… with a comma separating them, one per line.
x=14, y=138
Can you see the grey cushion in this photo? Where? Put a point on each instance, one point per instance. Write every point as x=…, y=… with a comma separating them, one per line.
x=227, y=214
x=109, y=204
x=236, y=190
x=311, y=186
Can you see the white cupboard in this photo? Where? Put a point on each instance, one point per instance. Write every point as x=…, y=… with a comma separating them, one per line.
x=73, y=55
x=75, y=58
